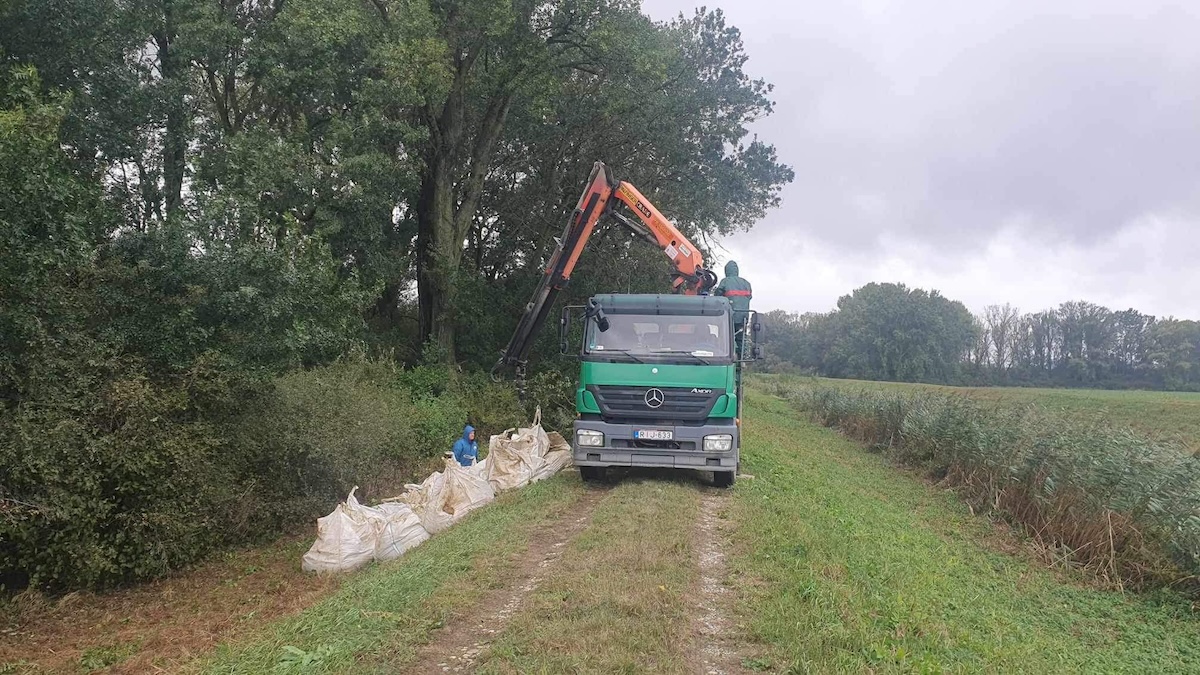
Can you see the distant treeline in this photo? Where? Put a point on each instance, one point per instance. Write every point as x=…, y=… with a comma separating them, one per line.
x=892, y=332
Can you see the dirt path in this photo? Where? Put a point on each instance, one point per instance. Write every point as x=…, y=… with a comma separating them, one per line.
x=714, y=633
x=461, y=641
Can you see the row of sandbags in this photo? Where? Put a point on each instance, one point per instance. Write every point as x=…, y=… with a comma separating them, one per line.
x=355, y=534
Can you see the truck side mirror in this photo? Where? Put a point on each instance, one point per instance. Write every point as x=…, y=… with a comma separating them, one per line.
x=758, y=352
x=564, y=329
x=758, y=329
x=596, y=313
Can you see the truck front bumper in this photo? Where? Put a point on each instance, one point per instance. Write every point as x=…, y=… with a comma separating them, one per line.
x=686, y=449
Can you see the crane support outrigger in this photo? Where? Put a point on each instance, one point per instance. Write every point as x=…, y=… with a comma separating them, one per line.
x=599, y=203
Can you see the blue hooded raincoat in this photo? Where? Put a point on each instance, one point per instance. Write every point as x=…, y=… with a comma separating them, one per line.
x=466, y=451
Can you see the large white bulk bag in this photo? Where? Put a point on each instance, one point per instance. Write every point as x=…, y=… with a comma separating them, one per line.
x=460, y=491
x=354, y=534
x=513, y=459
x=401, y=531
x=416, y=495
x=557, y=457
x=346, y=538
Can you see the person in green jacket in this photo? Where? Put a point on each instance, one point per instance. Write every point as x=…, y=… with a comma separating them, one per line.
x=739, y=292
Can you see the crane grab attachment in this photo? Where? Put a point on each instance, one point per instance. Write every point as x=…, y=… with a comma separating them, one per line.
x=598, y=203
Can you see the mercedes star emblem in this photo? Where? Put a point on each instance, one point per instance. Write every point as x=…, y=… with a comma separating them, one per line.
x=655, y=397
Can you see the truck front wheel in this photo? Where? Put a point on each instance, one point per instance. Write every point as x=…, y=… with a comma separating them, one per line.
x=724, y=479
x=591, y=474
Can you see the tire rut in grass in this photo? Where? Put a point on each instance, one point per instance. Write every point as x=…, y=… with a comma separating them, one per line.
x=459, y=643
x=715, y=635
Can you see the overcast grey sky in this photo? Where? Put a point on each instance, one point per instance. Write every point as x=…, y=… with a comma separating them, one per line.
x=1023, y=152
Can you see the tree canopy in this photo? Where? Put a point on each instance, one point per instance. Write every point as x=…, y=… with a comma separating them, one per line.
x=427, y=146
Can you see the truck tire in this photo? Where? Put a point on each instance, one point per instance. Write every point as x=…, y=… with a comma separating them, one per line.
x=724, y=479
x=591, y=474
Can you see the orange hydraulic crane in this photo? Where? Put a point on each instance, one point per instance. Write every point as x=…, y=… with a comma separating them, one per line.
x=600, y=201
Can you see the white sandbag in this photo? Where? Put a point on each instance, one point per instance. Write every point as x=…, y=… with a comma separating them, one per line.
x=513, y=459
x=460, y=491
x=417, y=494
x=481, y=467
x=401, y=531
x=346, y=538
x=465, y=490
x=540, y=443
x=354, y=534
x=557, y=457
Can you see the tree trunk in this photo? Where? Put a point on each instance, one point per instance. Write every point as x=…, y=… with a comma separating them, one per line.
x=174, y=157
x=175, y=139
x=438, y=255
x=446, y=207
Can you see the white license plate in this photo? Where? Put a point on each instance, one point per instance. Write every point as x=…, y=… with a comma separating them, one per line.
x=654, y=434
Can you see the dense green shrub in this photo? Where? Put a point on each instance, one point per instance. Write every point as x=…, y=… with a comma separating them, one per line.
x=1122, y=504
x=134, y=479
x=112, y=477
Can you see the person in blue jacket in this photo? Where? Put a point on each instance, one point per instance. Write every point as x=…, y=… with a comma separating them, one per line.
x=466, y=450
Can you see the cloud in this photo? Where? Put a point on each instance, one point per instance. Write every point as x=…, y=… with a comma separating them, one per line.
x=934, y=138
x=1147, y=266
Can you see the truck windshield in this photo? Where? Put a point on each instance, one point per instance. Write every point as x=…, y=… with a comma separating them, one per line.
x=636, y=334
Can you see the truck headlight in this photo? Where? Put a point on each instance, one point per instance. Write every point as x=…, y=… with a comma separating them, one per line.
x=718, y=443
x=589, y=438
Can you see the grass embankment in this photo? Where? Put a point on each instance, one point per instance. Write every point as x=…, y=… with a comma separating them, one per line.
x=383, y=614
x=616, y=601
x=1163, y=414
x=156, y=626
x=851, y=566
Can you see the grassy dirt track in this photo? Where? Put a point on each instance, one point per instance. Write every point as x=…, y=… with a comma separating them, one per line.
x=617, y=601
x=380, y=618
x=850, y=565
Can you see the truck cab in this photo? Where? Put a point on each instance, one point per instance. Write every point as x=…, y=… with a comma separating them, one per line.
x=659, y=384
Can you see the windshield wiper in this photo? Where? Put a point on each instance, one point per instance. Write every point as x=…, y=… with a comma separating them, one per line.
x=623, y=352
x=699, y=358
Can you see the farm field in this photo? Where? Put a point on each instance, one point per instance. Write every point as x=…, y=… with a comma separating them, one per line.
x=824, y=558
x=1174, y=415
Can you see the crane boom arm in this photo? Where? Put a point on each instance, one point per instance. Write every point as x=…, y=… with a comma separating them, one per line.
x=598, y=202
x=691, y=277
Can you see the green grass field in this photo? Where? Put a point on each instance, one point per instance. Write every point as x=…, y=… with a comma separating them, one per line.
x=1174, y=415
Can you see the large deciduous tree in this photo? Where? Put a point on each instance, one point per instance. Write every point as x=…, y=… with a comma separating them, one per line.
x=889, y=331
x=666, y=106
x=1001, y=323
x=495, y=51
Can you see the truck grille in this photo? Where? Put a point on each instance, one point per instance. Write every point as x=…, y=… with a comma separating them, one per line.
x=678, y=403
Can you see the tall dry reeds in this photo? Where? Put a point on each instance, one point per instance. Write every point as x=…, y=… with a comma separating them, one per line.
x=1123, y=506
